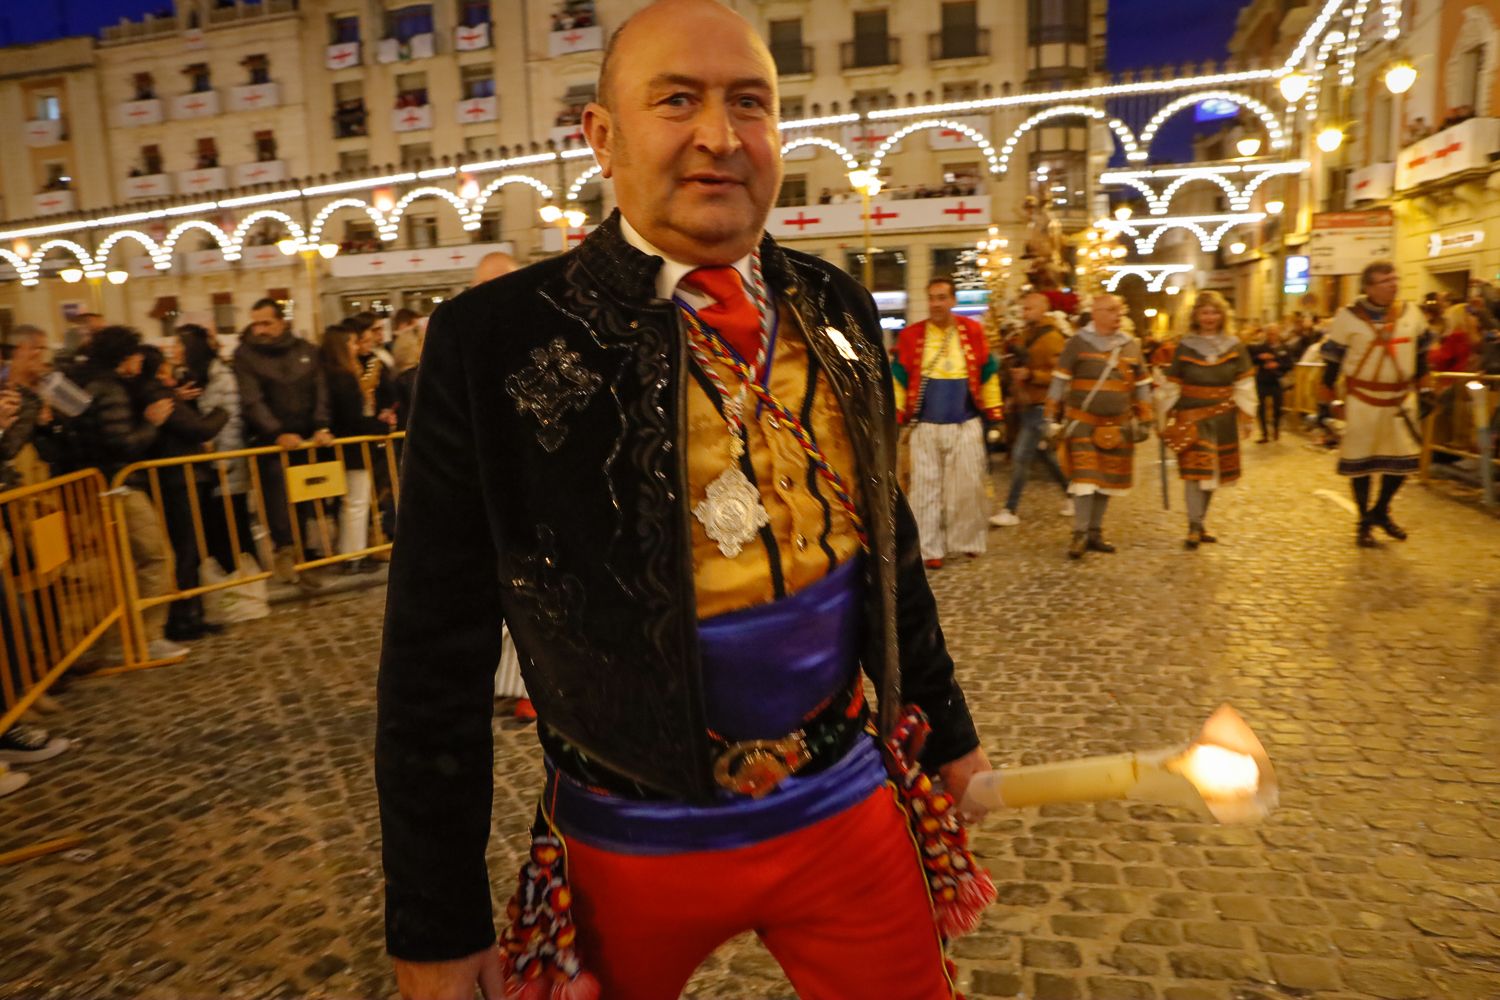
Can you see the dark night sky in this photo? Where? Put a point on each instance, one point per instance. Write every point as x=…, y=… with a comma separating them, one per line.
x=1141, y=33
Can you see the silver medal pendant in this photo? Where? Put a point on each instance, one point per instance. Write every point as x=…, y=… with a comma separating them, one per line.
x=732, y=513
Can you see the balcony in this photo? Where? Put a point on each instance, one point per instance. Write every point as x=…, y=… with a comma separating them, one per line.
x=870, y=52
x=1372, y=183
x=570, y=40
x=259, y=172
x=476, y=109
x=471, y=39
x=137, y=113
x=412, y=119
x=147, y=186
x=204, y=104
x=1464, y=146
x=566, y=135
x=202, y=179
x=54, y=202
x=44, y=132
x=254, y=96
x=969, y=43
x=341, y=56
x=389, y=50
x=793, y=60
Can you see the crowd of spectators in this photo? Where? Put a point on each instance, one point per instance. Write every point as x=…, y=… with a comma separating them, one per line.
x=188, y=394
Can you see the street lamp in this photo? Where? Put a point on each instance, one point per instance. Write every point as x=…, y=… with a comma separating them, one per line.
x=72, y=275
x=118, y=277
x=1237, y=248
x=1123, y=213
x=310, y=252
x=1330, y=139
x=1274, y=207
x=563, y=219
x=1400, y=77
x=868, y=184
x=1248, y=146
x=1294, y=87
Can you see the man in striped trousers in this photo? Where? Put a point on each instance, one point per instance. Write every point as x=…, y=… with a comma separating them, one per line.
x=946, y=378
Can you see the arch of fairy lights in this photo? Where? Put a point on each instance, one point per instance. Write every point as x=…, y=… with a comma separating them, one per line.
x=1208, y=239
x=163, y=256
x=320, y=221
x=1335, y=33
x=948, y=125
x=1155, y=276
x=1122, y=131
x=849, y=158
x=581, y=181
x=1240, y=198
x=1274, y=133
x=393, y=218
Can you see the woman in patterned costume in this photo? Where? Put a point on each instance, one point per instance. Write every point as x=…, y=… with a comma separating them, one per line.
x=1209, y=396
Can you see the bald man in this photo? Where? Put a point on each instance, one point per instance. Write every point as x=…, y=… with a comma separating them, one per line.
x=672, y=477
x=1099, y=384
x=494, y=265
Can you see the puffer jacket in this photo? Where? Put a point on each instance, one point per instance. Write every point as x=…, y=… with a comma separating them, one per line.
x=282, y=388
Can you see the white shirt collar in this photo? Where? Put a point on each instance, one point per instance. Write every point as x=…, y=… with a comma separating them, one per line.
x=673, y=271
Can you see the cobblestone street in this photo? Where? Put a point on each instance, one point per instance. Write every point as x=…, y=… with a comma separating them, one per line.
x=232, y=842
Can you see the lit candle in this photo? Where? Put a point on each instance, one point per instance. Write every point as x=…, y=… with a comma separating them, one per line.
x=1218, y=773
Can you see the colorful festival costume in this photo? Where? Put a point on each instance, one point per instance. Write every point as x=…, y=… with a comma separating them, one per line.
x=1037, y=349
x=1381, y=354
x=1209, y=382
x=947, y=384
x=1100, y=383
x=695, y=651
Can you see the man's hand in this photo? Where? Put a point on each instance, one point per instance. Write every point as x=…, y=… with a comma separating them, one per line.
x=187, y=391
x=453, y=980
x=157, y=413
x=323, y=438
x=956, y=775
x=287, y=442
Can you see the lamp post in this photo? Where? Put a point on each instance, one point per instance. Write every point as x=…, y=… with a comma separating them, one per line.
x=868, y=184
x=564, y=219
x=310, y=252
x=96, y=280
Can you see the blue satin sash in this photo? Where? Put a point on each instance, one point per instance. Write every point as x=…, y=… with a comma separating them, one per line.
x=767, y=667
x=631, y=826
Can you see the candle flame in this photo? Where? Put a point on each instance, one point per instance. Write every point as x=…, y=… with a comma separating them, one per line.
x=1218, y=773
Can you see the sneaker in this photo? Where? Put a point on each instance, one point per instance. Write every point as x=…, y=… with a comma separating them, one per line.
x=1067, y=508
x=284, y=565
x=29, y=745
x=11, y=781
x=165, y=649
x=933, y=563
x=46, y=704
x=1005, y=519
x=524, y=711
x=310, y=580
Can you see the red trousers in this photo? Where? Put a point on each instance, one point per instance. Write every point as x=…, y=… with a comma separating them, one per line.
x=842, y=905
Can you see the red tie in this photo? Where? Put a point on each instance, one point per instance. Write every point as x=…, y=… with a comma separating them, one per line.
x=732, y=314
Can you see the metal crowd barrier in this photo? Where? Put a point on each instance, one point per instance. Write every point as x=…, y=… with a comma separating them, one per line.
x=1308, y=377
x=60, y=584
x=200, y=489
x=1463, y=424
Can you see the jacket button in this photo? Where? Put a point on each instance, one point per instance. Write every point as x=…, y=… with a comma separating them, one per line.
x=801, y=541
x=786, y=482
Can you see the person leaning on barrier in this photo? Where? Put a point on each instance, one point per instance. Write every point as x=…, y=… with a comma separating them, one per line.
x=112, y=433
x=221, y=391
x=284, y=402
x=25, y=448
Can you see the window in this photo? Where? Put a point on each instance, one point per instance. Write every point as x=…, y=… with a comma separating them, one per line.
x=1382, y=130
x=354, y=159
x=422, y=231
x=793, y=108
x=57, y=176
x=1067, y=177
x=489, y=227
x=872, y=42
x=224, y=312
x=258, y=66
x=961, y=36
x=415, y=152
x=1469, y=81
x=961, y=179
x=359, y=236
x=791, y=56
x=150, y=160
x=476, y=81
x=349, y=109
x=473, y=13
x=404, y=23
x=411, y=90
x=208, y=155
x=48, y=107
x=199, y=81
x=1054, y=21
x=793, y=191
x=343, y=28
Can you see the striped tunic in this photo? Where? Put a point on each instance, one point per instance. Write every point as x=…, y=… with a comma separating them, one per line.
x=1080, y=368
x=1203, y=373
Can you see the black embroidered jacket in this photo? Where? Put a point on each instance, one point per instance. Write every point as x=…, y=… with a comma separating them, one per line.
x=544, y=482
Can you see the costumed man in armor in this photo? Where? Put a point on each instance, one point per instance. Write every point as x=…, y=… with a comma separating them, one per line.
x=666, y=460
x=1379, y=346
x=1100, y=385
x=1210, y=400
x=947, y=384
x=1037, y=347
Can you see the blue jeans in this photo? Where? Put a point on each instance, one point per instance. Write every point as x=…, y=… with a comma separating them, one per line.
x=1025, y=449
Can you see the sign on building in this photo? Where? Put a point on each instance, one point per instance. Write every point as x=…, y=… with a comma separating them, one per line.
x=1344, y=242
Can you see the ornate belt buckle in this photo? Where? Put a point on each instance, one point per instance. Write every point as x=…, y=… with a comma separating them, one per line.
x=754, y=767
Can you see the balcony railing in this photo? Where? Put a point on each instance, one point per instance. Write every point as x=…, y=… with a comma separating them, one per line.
x=793, y=60
x=869, y=52
x=1059, y=34
x=969, y=43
